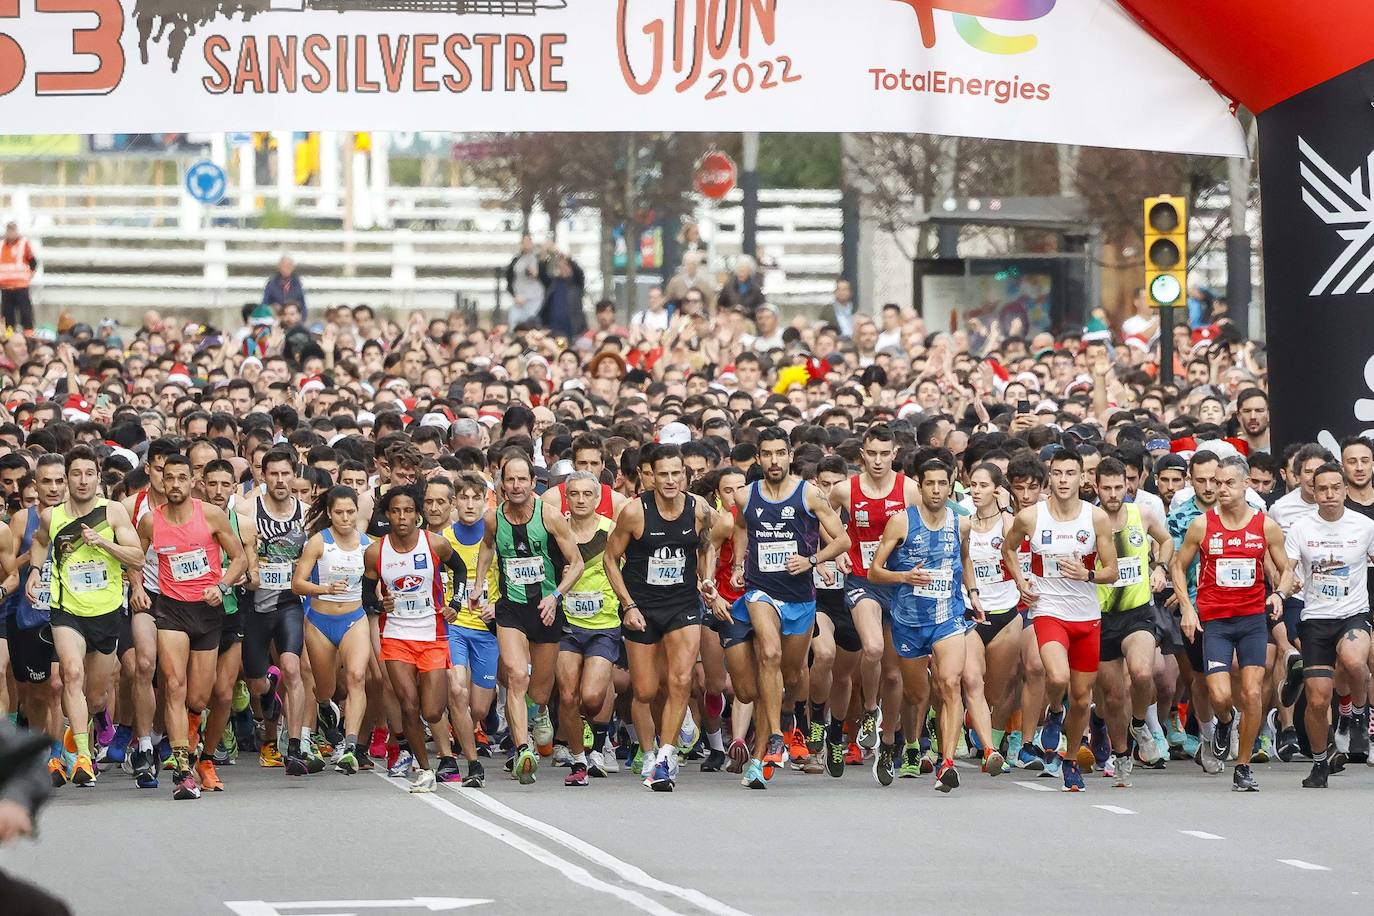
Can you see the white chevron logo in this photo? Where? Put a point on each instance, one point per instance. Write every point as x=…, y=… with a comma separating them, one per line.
x=1345, y=203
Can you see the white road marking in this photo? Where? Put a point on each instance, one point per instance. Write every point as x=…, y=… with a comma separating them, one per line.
x=1113, y=809
x=433, y=904
x=573, y=872
x=1305, y=866
x=625, y=870
x=1038, y=787
x=1201, y=835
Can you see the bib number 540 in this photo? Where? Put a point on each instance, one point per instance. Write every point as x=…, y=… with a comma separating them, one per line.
x=100, y=42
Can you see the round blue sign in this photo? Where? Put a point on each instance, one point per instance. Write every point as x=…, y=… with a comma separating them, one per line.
x=206, y=182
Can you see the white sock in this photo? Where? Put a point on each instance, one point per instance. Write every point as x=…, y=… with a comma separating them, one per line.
x=305, y=734
x=1208, y=728
x=715, y=741
x=1152, y=719
x=157, y=738
x=145, y=744
x=580, y=758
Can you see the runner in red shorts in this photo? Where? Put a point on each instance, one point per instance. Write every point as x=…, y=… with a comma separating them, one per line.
x=1067, y=537
x=414, y=633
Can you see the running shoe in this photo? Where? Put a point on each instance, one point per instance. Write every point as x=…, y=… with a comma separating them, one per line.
x=477, y=777
x=447, y=770
x=661, y=777
x=577, y=776
x=322, y=745
x=1099, y=742
x=270, y=756
x=868, y=729
x=83, y=772
x=328, y=721
x=612, y=764
x=636, y=760
x=1014, y=744
x=834, y=759
x=1292, y=681
x=772, y=756
x=1073, y=777
x=423, y=783
x=1122, y=764
x=377, y=747
x=271, y=700
x=227, y=751
x=314, y=762
x=296, y=766
x=1207, y=758
x=145, y=769
x=1054, y=766
x=1175, y=734
x=526, y=766
x=541, y=727
x=69, y=740
x=882, y=764
x=1344, y=726
x=994, y=764
x=797, y=751
x=714, y=762
x=184, y=787
x=739, y=756
x=1288, y=747
x=347, y=764
x=1220, y=745
x=911, y=761
x=928, y=761
x=946, y=777
x=117, y=748
x=164, y=753
x=1190, y=745
x=562, y=757
x=1028, y=759
x=1145, y=743
x=853, y=755
x=402, y=766
x=815, y=739
x=241, y=700
x=1264, y=750
x=57, y=772
x=365, y=762
x=1335, y=762
x=688, y=736
x=1317, y=778
x=596, y=765
x=1359, y=737
x=813, y=766
x=105, y=728
x=1052, y=730
x=753, y=776
x=1242, y=780
x=207, y=777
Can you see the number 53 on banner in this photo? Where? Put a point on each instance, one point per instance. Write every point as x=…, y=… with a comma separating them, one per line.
x=100, y=42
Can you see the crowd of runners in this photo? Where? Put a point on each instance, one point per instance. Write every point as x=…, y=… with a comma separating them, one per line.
x=842, y=546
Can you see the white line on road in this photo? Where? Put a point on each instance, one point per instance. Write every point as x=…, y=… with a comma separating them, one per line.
x=1113, y=809
x=625, y=870
x=573, y=872
x=1305, y=866
x=1201, y=835
x=1038, y=787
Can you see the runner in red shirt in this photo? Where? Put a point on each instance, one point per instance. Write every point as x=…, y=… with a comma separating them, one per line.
x=589, y=455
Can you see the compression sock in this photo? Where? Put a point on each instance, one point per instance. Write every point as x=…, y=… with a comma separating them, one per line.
x=997, y=735
x=1152, y=719
x=1347, y=708
x=599, y=732
x=818, y=712
x=145, y=744
x=715, y=740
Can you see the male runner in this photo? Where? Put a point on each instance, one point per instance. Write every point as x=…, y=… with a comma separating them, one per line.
x=273, y=531
x=1129, y=638
x=520, y=536
x=777, y=550
x=831, y=676
x=1231, y=542
x=219, y=482
x=471, y=642
x=406, y=561
x=1028, y=478
x=186, y=536
x=438, y=518
x=1331, y=552
x=922, y=555
x=1357, y=461
x=1066, y=536
x=872, y=497
x=589, y=457
x=93, y=542
x=664, y=540
x=591, y=639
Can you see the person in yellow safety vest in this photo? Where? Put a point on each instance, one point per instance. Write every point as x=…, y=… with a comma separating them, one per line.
x=17, y=264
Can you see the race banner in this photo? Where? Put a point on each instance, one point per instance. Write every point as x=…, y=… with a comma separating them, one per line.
x=1066, y=71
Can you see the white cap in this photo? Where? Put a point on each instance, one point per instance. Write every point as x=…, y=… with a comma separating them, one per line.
x=675, y=434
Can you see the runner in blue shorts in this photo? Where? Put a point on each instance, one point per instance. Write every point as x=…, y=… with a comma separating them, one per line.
x=776, y=550
x=922, y=557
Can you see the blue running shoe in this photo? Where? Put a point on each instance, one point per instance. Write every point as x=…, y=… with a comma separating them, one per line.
x=118, y=749
x=1053, y=766
x=1073, y=777
x=145, y=769
x=1028, y=758
x=1052, y=730
x=1191, y=743
x=753, y=776
x=1097, y=739
x=661, y=779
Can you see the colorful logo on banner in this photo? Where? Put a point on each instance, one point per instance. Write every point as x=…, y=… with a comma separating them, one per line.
x=967, y=21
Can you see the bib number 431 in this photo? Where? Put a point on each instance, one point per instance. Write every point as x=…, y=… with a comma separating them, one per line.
x=100, y=42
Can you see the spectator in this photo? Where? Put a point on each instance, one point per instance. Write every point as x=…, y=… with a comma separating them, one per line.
x=562, y=312
x=840, y=312
x=17, y=264
x=743, y=288
x=524, y=283
x=285, y=286
x=690, y=276
x=652, y=320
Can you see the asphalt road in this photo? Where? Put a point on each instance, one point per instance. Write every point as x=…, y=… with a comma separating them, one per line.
x=330, y=844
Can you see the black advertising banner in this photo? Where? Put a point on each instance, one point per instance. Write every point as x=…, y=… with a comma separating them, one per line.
x=1317, y=186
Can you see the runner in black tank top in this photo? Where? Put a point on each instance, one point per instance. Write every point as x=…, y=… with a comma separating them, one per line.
x=661, y=570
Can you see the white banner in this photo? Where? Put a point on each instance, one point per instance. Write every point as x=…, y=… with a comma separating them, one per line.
x=1068, y=71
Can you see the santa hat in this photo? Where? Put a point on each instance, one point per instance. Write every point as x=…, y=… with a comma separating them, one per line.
x=312, y=383
x=76, y=409
x=179, y=376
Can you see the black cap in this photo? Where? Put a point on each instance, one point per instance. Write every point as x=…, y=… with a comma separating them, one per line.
x=1171, y=460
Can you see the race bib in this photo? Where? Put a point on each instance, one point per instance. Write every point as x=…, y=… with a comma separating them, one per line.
x=189, y=565
x=773, y=555
x=1025, y=564
x=43, y=599
x=410, y=605
x=1130, y=571
x=667, y=570
x=836, y=577
x=582, y=605
x=525, y=570
x=1049, y=566
x=868, y=550
x=988, y=572
x=940, y=587
x=274, y=577
x=1235, y=572
x=1333, y=584
x=90, y=576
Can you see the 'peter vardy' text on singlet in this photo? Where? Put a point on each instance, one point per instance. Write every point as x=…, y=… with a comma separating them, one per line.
x=778, y=530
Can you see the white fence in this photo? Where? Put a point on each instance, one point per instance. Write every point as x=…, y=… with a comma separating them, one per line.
x=116, y=250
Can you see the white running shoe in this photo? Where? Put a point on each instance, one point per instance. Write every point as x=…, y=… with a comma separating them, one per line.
x=424, y=782
x=596, y=764
x=541, y=727
x=1145, y=744
x=562, y=757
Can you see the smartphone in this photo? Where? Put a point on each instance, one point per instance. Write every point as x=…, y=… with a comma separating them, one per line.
x=1023, y=406
x=102, y=400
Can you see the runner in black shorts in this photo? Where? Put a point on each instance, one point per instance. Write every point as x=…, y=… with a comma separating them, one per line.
x=836, y=645
x=218, y=483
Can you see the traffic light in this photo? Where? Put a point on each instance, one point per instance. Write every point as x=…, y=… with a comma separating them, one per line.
x=1166, y=250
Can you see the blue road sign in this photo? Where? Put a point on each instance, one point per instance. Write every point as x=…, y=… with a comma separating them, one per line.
x=206, y=182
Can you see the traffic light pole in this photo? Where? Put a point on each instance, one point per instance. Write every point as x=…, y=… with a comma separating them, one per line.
x=1166, y=345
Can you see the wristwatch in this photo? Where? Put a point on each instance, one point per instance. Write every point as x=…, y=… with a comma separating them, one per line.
x=814, y=562
x=224, y=589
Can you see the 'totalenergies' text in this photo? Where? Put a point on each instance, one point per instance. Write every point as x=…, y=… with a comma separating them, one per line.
x=1001, y=91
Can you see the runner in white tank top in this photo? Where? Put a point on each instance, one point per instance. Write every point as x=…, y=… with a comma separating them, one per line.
x=1053, y=542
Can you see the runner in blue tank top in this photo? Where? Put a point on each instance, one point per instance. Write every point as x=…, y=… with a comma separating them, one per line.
x=777, y=533
x=922, y=556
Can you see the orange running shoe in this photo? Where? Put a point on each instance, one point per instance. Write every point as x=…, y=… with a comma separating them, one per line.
x=796, y=747
x=69, y=740
x=1086, y=760
x=480, y=735
x=57, y=773
x=209, y=779
x=83, y=773
x=854, y=757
